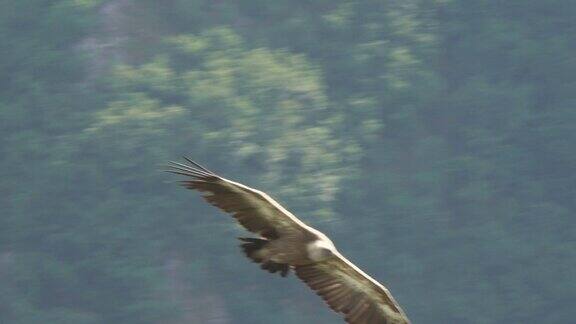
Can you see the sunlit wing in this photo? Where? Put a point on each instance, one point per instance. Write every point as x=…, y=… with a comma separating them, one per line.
x=255, y=210
x=351, y=292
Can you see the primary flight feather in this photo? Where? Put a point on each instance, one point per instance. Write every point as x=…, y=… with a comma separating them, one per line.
x=286, y=243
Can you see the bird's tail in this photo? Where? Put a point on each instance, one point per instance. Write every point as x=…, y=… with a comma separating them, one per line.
x=251, y=246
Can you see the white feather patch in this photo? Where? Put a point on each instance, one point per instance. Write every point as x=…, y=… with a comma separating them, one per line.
x=316, y=249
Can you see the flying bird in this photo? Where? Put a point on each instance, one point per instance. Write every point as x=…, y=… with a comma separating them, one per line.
x=285, y=243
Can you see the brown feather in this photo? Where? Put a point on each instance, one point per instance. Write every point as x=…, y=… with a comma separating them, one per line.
x=254, y=210
x=350, y=292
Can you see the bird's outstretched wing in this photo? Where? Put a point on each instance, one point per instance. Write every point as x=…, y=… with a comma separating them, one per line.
x=351, y=292
x=254, y=209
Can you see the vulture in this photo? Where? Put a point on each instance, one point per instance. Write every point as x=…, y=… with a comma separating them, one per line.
x=285, y=243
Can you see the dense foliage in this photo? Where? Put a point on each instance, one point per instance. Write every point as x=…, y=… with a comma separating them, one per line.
x=433, y=140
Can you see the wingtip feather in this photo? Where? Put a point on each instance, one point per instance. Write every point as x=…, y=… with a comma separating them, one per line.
x=197, y=164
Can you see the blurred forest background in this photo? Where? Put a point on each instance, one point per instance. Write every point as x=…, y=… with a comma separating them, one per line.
x=433, y=140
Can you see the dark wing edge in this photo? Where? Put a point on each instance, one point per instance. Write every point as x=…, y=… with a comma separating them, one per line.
x=351, y=292
x=253, y=209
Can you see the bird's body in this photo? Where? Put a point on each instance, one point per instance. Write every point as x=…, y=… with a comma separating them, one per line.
x=286, y=243
x=296, y=250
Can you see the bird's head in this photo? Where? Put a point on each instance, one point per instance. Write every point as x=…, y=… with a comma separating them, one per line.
x=320, y=250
